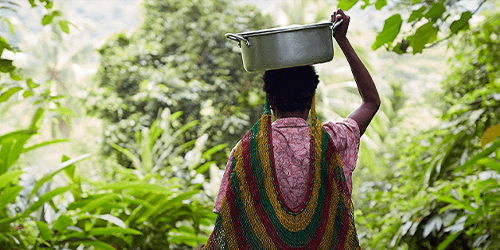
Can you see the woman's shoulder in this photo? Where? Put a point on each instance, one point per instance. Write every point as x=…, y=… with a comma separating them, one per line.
x=347, y=128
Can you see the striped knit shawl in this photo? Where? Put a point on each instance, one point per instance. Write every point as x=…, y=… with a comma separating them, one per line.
x=253, y=214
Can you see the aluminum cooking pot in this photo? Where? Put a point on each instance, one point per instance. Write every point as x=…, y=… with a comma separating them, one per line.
x=286, y=47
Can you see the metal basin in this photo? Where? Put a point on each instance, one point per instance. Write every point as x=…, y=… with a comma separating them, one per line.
x=286, y=47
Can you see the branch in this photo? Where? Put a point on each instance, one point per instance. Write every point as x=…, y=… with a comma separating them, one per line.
x=456, y=32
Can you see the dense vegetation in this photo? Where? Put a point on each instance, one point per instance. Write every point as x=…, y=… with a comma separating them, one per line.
x=442, y=192
x=155, y=197
x=174, y=99
x=179, y=59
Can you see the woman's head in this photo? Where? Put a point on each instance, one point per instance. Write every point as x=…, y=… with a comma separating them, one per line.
x=291, y=89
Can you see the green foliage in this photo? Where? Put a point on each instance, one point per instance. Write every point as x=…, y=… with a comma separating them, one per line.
x=442, y=192
x=391, y=29
x=6, y=65
x=179, y=59
x=143, y=209
x=150, y=206
x=161, y=201
x=429, y=23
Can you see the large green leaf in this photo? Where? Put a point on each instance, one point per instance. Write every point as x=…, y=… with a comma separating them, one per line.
x=424, y=34
x=112, y=230
x=461, y=23
x=31, y=84
x=16, y=135
x=183, y=129
x=10, y=177
x=64, y=111
x=10, y=151
x=37, y=119
x=99, y=202
x=45, y=232
x=390, y=31
x=136, y=161
x=113, y=219
x=64, y=26
x=47, y=19
x=464, y=204
x=97, y=245
x=208, y=153
x=444, y=244
x=168, y=204
x=62, y=222
x=188, y=238
x=62, y=167
x=46, y=197
x=138, y=201
x=4, y=222
x=45, y=143
x=4, y=45
x=492, y=164
x=435, y=12
x=417, y=14
x=380, y=3
x=138, y=185
x=6, y=66
x=8, y=93
x=203, y=168
x=484, y=153
x=8, y=195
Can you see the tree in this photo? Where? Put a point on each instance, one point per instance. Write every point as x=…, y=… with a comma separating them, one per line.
x=429, y=23
x=443, y=193
x=179, y=59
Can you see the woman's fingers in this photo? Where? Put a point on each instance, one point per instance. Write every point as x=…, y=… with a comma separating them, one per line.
x=341, y=30
x=338, y=15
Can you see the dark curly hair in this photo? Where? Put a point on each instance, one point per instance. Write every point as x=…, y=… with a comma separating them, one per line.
x=291, y=89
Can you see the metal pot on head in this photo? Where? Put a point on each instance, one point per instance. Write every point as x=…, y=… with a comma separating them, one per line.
x=286, y=47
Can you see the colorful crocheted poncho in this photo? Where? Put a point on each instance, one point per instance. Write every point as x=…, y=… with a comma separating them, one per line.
x=253, y=214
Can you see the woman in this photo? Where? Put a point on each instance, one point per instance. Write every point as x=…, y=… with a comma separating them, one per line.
x=287, y=185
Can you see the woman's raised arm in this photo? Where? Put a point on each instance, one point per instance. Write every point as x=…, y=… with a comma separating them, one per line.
x=366, y=87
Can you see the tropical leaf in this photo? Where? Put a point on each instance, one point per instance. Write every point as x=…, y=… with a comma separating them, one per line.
x=10, y=177
x=390, y=31
x=113, y=219
x=112, y=230
x=484, y=153
x=46, y=197
x=8, y=195
x=136, y=161
x=140, y=186
x=62, y=167
x=9, y=92
x=62, y=223
x=103, y=200
x=444, y=244
x=97, y=244
x=45, y=232
x=45, y=143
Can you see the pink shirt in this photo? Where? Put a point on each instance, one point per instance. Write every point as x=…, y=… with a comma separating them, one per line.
x=291, y=155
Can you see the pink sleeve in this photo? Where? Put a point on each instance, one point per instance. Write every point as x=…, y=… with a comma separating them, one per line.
x=346, y=137
x=223, y=184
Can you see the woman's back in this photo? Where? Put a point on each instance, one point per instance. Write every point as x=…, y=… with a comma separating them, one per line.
x=291, y=149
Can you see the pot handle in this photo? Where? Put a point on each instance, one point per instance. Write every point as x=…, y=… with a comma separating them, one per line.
x=335, y=25
x=238, y=39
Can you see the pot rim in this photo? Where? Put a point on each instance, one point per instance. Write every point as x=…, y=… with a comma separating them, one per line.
x=283, y=29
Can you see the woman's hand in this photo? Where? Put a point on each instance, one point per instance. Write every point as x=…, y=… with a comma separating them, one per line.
x=341, y=30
